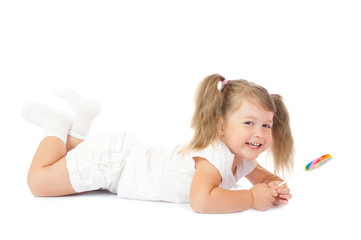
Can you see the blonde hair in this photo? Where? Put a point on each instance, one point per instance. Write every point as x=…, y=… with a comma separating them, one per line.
x=212, y=103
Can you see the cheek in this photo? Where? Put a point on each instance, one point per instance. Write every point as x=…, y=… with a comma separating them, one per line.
x=269, y=138
x=240, y=135
x=235, y=140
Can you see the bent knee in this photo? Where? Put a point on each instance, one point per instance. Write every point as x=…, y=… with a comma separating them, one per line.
x=50, y=181
x=36, y=183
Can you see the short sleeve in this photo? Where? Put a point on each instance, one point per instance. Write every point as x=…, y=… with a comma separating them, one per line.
x=219, y=156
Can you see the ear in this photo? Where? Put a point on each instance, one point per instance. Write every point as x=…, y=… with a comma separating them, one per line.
x=220, y=126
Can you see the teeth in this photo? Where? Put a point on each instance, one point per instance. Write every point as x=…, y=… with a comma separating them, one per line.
x=255, y=145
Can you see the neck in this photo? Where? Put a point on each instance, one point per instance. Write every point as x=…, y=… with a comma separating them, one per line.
x=237, y=160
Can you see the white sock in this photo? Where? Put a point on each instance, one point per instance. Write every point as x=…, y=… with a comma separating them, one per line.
x=84, y=112
x=55, y=122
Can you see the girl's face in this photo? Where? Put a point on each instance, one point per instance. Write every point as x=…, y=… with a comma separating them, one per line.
x=248, y=131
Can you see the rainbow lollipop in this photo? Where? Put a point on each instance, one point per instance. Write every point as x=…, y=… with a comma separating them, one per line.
x=311, y=166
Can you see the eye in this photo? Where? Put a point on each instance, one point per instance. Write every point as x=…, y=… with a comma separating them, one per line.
x=267, y=126
x=248, y=123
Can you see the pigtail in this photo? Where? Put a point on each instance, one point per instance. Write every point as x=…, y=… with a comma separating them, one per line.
x=212, y=103
x=282, y=144
x=208, y=110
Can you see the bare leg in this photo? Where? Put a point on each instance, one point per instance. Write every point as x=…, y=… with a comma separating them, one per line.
x=48, y=174
x=72, y=142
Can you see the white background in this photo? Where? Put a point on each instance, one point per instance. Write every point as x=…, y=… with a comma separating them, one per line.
x=142, y=60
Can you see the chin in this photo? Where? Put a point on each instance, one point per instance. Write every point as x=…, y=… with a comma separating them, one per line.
x=251, y=156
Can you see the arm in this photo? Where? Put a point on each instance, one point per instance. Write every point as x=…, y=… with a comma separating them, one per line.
x=261, y=175
x=207, y=197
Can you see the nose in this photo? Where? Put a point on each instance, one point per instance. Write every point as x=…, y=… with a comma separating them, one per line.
x=258, y=132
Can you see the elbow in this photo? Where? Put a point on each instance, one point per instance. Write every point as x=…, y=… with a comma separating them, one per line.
x=199, y=204
x=196, y=207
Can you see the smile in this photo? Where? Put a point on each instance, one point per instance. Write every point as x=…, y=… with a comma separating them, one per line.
x=253, y=145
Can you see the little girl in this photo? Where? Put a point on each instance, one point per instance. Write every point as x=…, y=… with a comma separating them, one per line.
x=234, y=122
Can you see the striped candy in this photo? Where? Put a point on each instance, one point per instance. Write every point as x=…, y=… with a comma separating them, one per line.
x=318, y=162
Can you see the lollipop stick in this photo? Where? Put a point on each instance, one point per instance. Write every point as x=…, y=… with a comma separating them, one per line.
x=295, y=175
x=311, y=166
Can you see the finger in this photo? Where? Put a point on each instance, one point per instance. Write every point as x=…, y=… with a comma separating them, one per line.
x=285, y=190
x=274, y=193
x=274, y=184
x=276, y=201
x=283, y=185
x=277, y=182
x=286, y=196
x=280, y=201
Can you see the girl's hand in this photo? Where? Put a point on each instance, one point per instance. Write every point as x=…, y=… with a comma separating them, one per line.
x=283, y=193
x=263, y=196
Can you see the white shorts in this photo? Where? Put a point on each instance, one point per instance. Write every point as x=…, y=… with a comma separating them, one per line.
x=98, y=162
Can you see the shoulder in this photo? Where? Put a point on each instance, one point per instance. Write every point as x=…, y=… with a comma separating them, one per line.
x=218, y=155
x=215, y=150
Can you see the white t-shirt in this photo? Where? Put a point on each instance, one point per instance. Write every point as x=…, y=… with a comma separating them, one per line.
x=161, y=174
x=222, y=158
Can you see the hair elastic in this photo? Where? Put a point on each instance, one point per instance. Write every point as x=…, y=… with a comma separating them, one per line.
x=224, y=82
